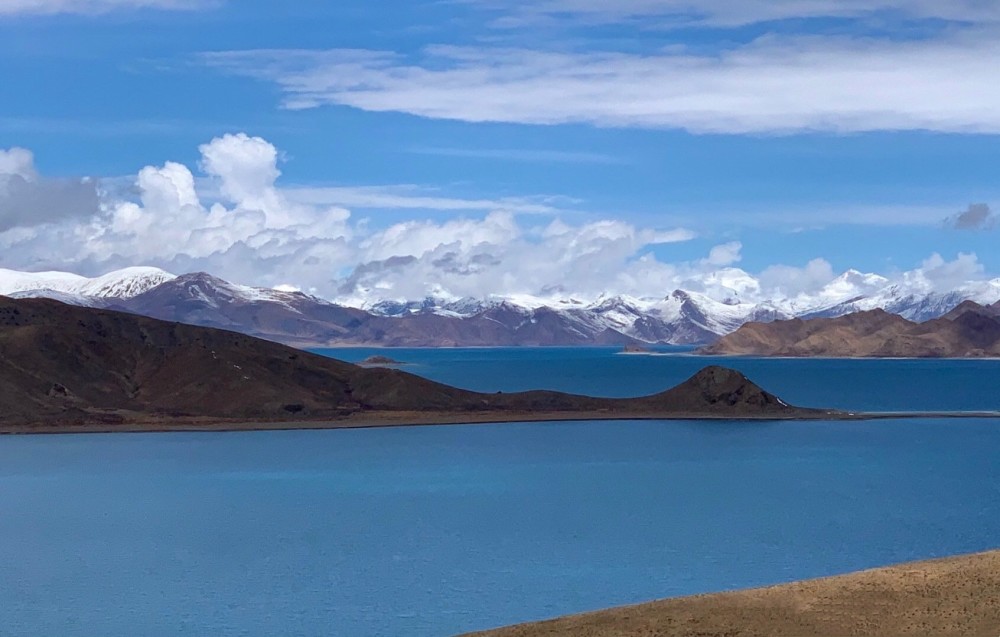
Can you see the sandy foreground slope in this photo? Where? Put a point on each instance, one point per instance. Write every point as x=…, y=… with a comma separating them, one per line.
x=957, y=596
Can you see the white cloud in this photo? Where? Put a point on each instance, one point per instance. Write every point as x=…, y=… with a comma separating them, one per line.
x=726, y=13
x=497, y=255
x=250, y=234
x=939, y=275
x=521, y=155
x=410, y=197
x=776, y=84
x=17, y=161
x=816, y=285
x=260, y=233
x=247, y=166
x=725, y=254
x=785, y=281
x=48, y=7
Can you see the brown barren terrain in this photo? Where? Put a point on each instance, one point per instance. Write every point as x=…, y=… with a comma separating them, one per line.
x=953, y=597
x=67, y=368
x=968, y=331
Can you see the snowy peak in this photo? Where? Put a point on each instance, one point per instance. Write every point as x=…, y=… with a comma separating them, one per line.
x=213, y=292
x=912, y=301
x=63, y=297
x=12, y=281
x=685, y=316
x=120, y=284
x=126, y=283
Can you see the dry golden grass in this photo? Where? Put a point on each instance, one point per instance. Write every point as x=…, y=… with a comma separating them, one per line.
x=957, y=597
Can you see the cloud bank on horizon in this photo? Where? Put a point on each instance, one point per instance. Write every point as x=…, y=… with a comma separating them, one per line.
x=257, y=232
x=498, y=92
x=236, y=221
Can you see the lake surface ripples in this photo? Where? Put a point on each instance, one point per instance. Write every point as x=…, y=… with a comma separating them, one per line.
x=438, y=530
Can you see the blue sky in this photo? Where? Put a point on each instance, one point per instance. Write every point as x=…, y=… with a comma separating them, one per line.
x=847, y=132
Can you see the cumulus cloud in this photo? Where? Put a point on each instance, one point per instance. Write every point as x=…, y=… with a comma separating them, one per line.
x=775, y=84
x=252, y=225
x=817, y=280
x=27, y=199
x=785, y=281
x=235, y=220
x=725, y=254
x=938, y=275
x=977, y=216
x=499, y=255
x=48, y=7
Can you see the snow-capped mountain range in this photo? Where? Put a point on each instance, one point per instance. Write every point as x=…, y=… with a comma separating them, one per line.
x=121, y=284
x=679, y=317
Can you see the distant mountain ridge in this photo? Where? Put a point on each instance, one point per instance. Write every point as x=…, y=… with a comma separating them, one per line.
x=967, y=331
x=681, y=317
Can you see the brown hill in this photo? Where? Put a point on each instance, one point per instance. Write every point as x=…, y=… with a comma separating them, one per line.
x=970, y=330
x=955, y=597
x=971, y=306
x=63, y=365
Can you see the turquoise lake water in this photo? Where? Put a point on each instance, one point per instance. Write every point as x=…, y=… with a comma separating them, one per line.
x=438, y=530
x=870, y=385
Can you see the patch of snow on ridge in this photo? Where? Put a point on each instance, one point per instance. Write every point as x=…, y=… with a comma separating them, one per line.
x=124, y=284
x=12, y=281
x=63, y=297
x=214, y=291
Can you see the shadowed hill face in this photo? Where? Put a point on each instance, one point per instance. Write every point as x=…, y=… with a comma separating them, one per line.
x=970, y=330
x=61, y=360
x=720, y=388
x=66, y=363
x=966, y=307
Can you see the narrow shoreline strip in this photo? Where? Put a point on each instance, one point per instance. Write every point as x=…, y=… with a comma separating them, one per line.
x=381, y=420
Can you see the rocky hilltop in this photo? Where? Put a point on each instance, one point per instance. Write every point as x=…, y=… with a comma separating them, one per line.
x=64, y=366
x=969, y=330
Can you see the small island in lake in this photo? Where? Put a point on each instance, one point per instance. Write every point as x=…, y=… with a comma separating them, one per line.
x=632, y=348
x=381, y=361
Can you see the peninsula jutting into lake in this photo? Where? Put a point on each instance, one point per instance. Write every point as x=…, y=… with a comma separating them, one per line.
x=67, y=368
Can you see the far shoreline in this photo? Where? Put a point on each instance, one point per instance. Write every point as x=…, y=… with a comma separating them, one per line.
x=690, y=351
x=387, y=420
